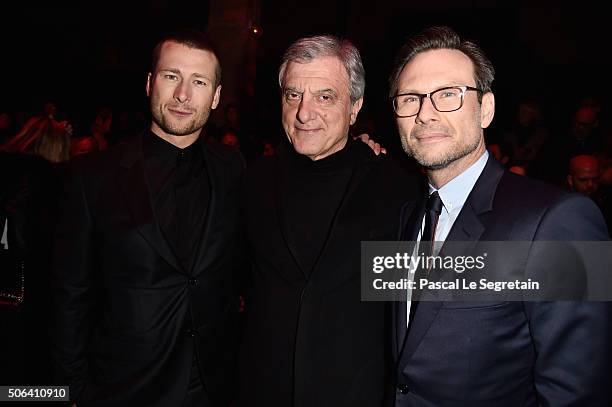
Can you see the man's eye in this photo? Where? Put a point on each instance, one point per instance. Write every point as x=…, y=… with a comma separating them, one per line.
x=170, y=77
x=449, y=94
x=325, y=98
x=199, y=83
x=290, y=95
x=408, y=99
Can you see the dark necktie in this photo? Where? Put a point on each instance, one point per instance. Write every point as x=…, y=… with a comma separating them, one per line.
x=433, y=208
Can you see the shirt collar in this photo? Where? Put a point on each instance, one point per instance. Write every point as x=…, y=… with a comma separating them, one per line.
x=455, y=192
x=153, y=145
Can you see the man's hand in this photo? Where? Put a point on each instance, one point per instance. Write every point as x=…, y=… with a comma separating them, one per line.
x=373, y=145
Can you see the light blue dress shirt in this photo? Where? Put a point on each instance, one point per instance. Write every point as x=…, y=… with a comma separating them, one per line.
x=453, y=195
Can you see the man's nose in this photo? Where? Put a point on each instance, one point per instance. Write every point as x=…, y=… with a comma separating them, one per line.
x=182, y=93
x=305, y=111
x=427, y=111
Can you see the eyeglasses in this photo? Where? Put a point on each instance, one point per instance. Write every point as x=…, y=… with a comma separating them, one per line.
x=446, y=99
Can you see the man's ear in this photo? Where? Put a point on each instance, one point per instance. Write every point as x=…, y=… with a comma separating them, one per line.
x=487, y=109
x=148, y=86
x=355, y=109
x=570, y=181
x=216, y=97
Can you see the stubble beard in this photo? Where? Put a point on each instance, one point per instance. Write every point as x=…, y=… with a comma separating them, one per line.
x=165, y=123
x=443, y=159
x=455, y=151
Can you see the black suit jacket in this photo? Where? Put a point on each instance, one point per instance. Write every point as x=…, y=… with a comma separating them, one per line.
x=310, y=340
x=506, y=353
x=127, y=316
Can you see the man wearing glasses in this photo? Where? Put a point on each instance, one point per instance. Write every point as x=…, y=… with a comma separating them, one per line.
x=495, y=353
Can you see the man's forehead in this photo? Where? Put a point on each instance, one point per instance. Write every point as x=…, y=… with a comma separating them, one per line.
x=174, y=55
x=433, y=69
x=584, y=161
x=317, y=72
x=586, y=169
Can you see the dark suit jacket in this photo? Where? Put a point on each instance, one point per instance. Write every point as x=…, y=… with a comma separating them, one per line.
x=310, y=340
x=506, y=353
x=127, y=316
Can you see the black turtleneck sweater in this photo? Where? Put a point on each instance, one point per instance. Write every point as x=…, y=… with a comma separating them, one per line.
x=180, y=191
x=311, y=193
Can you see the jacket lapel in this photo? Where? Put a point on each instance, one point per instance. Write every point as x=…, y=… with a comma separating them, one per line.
x=202, y=259
x=468, y=227
x=358, y=173
x=133, y=183
x=428, y=310
x=354, y=180
x=283, y=221
x=409, y=225
x=465, y=233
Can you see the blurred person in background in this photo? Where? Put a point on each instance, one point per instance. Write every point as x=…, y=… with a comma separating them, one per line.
x=97, y=139
x=527, y=134
x=230, y=139
x=584, y=174
x=42, y=136
x=582, y=136
x=31, y=167
x=585, y=177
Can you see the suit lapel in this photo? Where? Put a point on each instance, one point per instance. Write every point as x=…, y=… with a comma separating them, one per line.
x=133, y=183
x=358, y=173
x=409, y=225
x=427, y=311
x=283, y=221
x=468, y=227
x=465, y=233
x=355, y=178
x=461, y=239
x=207, y=235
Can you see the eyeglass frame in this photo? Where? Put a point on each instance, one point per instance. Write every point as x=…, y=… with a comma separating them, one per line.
x=421, y=96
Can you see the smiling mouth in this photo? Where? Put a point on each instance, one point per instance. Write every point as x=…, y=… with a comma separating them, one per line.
x=181, y=113
x=431, y=137
x=307, y=131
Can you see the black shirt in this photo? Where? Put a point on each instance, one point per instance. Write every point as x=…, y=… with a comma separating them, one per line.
x=180, y=190
x=311, y=194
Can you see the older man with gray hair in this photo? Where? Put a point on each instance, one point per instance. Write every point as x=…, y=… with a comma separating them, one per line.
x=309, y=339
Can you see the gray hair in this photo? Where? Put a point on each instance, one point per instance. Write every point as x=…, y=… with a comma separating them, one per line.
x=305, y=50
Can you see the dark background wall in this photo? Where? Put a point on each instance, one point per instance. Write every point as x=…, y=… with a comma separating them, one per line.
x=99, y=52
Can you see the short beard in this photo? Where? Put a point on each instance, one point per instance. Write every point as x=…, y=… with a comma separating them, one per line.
x=196, y=124
x=445, y=159
x=454, y=153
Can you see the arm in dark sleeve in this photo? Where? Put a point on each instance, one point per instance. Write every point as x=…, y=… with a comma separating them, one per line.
x=72, y=287
x=571, y=338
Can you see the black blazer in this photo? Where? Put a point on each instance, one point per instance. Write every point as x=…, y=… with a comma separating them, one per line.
x=506, y=353
x=311, y=341
x=127, y=316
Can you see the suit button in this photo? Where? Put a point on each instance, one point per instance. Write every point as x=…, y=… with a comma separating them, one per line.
x=403, y=388
x=192, y=281
x=191, y=332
